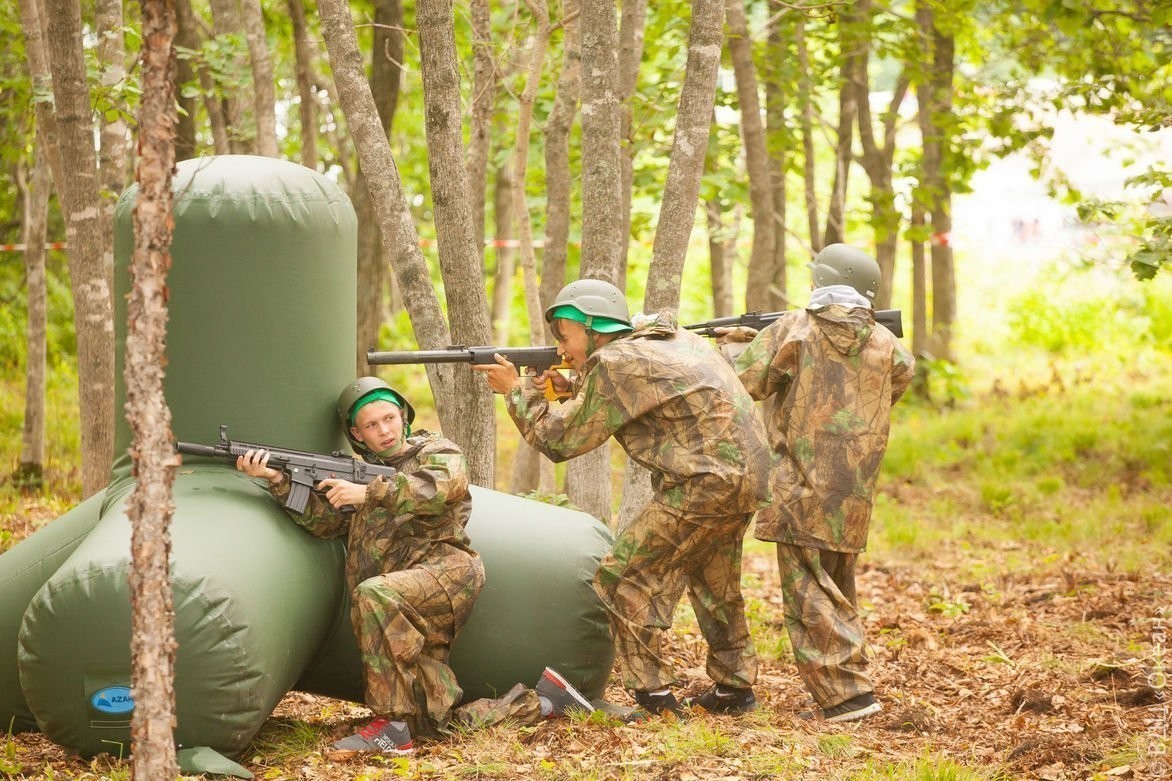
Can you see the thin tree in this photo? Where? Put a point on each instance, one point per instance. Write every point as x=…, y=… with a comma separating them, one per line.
x=390, y=203
x=806, y=123
x=759, y=292
x=777, y=142
x=114, y=149
x=227, y=21
x=89, y=235
x=484, y=86
x=264, y=91
x=34, y=189
x=459, y=251
x=632, y=24
x=152, y=642
x=681, y=196
x=849, y=60
x=190, y=35
x=303, y=71
x=603, y=233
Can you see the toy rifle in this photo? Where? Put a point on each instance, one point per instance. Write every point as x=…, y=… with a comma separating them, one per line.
x=538, y=358
x=305, y=469
x=892, y=319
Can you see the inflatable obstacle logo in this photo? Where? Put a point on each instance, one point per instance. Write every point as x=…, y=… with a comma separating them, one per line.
x=113, y=699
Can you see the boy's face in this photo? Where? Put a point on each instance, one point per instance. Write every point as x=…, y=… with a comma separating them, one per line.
x=379, y=426
x=571, y=341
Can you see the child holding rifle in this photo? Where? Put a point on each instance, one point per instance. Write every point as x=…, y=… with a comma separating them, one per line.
x=678, y=410
x=832, y=377
x=412, y=573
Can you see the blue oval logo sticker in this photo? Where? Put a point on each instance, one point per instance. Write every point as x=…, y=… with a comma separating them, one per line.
x=113, y=699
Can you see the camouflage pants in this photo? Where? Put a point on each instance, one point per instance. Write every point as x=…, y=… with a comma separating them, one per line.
x=818, y=587
x=642, y=577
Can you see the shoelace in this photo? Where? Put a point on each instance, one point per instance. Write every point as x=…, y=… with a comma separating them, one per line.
x=373, y=728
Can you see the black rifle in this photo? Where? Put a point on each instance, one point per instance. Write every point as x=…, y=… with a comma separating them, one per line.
x=305, y=469
x=892, y=319
x=539, y=358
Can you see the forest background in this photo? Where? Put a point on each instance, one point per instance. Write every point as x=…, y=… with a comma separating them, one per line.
x=1033, y=458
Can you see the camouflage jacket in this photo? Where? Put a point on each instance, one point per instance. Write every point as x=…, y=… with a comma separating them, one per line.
x=673, y=404
x=832, y=377
x=415, y=517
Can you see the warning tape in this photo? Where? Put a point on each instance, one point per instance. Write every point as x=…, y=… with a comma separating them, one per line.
x=22, y=247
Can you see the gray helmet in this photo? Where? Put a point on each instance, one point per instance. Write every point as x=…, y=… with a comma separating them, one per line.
x=359, y=388
x=840, y=264
x=594, y=298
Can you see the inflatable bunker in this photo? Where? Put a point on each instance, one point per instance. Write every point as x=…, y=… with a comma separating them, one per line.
x=261, y=338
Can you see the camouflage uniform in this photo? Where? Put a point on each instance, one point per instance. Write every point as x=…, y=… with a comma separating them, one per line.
x=413, y=578
x=833, y=377
x=678, y=410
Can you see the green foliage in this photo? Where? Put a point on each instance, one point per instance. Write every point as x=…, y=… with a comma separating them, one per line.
x=60, y=337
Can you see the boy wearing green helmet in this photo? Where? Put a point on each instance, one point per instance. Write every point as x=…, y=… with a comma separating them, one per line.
x=412, y=573
x=831, y=376
x=678, y=410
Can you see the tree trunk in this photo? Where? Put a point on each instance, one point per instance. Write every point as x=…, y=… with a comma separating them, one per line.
x=33, y=24
x=721, y=251
x=935, y=101
x=152, y=642
x=241, y=137
x=114, y=150
x=303, y=69
x=90, y=237
x=919, y=280
x=806, y=104
x=386, y=69
x=390, y=203
x=588, y=476
x=877, y=160
x=459, y=252
x=632, y=23
x=504, y=207
x=188, y=37
x=557, y=163
x=520, y=207
x=264, y=91
x=484, y=87
x=759, y=292
x=35, y=196
x=775, y=146
x=677, y=215
x=849, y=43
x=681, y=195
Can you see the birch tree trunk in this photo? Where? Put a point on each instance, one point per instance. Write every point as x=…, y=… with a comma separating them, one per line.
x=681, y=196
x=264, y=90
x=89, y=234
x=557, y=163
x=150, y=507
x=303, y=71
x=459, y=252
x=588, y=476
x=759, y=293
x=390, y=204
x=35, y=197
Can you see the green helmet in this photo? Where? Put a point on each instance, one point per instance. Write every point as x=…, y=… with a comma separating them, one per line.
x=360, y=389
x=840, y=264
x=599, y=305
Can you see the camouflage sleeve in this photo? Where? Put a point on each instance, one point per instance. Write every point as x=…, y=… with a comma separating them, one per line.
x=903, y=369
x=577, y=426
x=756, y=365
x=440, y=478
x=319, y=517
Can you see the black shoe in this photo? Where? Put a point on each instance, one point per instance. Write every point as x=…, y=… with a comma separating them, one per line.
x=656, y=704
x=855, y=708
x=724, y=699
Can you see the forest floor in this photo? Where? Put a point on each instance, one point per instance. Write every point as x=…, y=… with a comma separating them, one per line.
x=1054, y=673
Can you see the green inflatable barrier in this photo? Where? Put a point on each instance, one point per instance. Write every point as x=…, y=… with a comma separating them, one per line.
x=261, y=337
